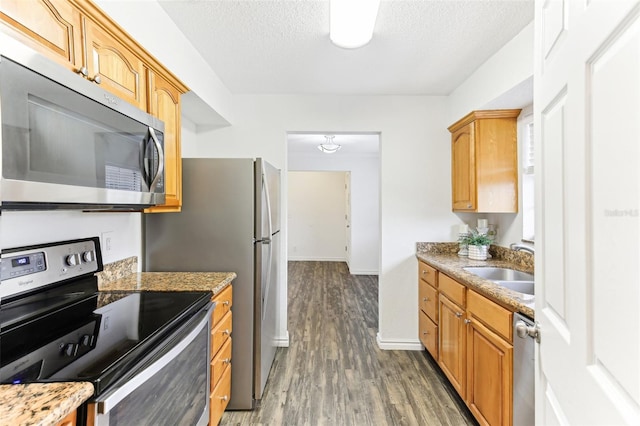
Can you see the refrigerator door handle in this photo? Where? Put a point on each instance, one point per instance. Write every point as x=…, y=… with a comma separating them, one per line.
x=265, y=187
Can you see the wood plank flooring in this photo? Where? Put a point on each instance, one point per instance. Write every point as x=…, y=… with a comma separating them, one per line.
x=333, y=372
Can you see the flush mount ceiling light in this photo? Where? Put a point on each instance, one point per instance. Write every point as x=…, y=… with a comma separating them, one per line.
x=329, y=147
x=351, y=22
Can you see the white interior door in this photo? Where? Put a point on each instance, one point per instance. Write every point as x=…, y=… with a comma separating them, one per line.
x=587, y=110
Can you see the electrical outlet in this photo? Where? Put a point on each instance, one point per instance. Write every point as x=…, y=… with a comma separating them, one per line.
x=106, y=241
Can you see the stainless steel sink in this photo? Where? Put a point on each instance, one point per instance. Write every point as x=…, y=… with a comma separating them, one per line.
x=499, y=274
x=525, y=287
x=522, y=282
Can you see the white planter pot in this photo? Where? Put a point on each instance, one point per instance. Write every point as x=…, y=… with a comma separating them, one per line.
x=478, y=252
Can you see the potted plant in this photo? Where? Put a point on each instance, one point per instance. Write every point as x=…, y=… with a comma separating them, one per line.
x=478, y=245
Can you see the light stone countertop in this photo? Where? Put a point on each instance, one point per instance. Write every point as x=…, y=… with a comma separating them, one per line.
x=41, y=404
x=452, y=265
x=171, y=281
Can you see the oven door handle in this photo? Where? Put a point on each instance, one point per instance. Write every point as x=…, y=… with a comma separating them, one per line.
x=111, y=399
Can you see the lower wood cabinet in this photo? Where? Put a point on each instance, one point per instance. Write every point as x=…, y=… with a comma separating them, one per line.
x=221, y=344
x=69, y=420
x=452, y=339
x=428, y=307
x=473, y=342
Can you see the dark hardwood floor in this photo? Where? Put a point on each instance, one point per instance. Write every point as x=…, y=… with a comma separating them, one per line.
x=333, y=372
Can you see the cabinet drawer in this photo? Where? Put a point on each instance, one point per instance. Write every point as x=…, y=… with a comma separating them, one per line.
x=221, y=333
x=428, y=274
x=224, y=301
x=428, y=298
x=428, y=334
x=220, y=398
x=491, y=314
x=220, y=362
x=453, y=289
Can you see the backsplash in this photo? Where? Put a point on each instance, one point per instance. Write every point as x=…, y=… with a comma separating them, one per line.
x=118, y=269
x=523, y=259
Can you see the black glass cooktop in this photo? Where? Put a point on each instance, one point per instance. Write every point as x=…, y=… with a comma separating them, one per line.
x=96, y=336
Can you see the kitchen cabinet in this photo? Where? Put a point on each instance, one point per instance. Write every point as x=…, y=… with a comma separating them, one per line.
x=452, y=332
x=78, y=35
x=221, y=345
x=489, y=361
x=484, y=162
x=428, y=308
x=113, y=65
x=69, y=420
x=52, y=27
x=475, y=347
x=164, y=103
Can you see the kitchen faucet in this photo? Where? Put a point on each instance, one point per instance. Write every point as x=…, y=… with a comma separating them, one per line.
x=518, y=247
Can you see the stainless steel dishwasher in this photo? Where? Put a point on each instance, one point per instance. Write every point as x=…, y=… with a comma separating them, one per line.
x=524, y=335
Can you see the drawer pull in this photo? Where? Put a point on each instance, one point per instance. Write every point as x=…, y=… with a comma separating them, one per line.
x=459, y=314
x=425, y=299
x=425, y=272
x=226, y=361
x=83, y=71
x=225, y=303
x=467, y=321
x=226, y=331
x=224, y=398
x=426, y=333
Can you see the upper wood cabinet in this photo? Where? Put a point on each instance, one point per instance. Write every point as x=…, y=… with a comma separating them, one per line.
x=52, y=27
x=114, y=66
x=484, y=162
x=164, y=103
x=81, y=37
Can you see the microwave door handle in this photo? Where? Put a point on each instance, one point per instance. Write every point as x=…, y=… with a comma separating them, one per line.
x=156, y=179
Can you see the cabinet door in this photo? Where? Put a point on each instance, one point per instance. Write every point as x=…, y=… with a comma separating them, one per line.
x=428, y=334
x=463, y=176
x=114, y=66
x=452, y=341
x=164, y=103
x=52, y=27
x=489, y=375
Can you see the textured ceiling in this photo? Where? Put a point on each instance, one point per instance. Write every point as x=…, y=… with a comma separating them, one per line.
x=419, y=47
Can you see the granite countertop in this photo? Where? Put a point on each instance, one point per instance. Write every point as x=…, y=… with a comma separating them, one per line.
x=41, y=404
x=452, y=265
x=171, y=281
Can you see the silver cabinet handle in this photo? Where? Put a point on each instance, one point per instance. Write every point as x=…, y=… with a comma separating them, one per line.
x=96, y=79
x=224, y=398
x=226, y=361
x=83, y=71
x=467, y=321
x=426, y=333
x=459, y=314
x=426, y=299
x=156, y=179
x=225, y=303
x=227, y=332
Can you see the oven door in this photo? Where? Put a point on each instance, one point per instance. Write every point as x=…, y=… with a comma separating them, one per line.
x=171, y=387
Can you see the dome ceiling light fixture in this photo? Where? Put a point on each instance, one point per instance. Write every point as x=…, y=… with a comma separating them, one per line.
x=351, y=22
x=329, y=147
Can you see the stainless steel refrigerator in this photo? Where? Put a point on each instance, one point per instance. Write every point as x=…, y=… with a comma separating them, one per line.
x=230, y=221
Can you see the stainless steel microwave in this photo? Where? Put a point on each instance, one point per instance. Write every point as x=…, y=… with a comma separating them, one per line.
x=68, y=143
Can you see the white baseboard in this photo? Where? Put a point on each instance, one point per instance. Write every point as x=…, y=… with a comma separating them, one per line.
x=315, y=259
x=283, y=341
x=362, y=272
x=399, y=345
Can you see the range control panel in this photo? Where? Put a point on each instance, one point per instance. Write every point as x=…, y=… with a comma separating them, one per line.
x=28, y=268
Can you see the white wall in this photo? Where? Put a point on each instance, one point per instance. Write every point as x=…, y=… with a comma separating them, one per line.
x=316, y=217
x=509, y=67
x=415, y=187
x=26, y=228
x=365, y=204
